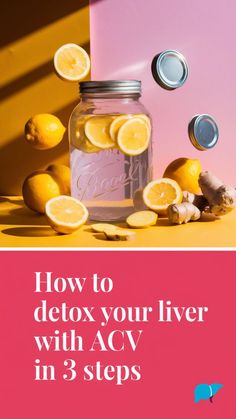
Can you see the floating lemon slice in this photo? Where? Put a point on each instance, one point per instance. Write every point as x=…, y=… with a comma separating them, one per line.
x=66, y=214
x=133, y=137
x=161, y=193
x=71, y=62
x=97, y=131
x=142, y=219
x=116, y=124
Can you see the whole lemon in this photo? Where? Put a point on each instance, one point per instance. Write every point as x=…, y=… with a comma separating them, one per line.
x=185, y=172
x=38, y=188
x=61, y=172
x=44, y=131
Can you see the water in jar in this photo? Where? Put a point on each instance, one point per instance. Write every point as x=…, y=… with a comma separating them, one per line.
x=107, y=179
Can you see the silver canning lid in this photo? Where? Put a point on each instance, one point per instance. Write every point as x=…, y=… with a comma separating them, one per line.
x=104, y=86
x=203, y=132
x=170, y=69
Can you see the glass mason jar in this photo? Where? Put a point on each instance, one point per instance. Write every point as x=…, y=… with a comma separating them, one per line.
x=110, y=148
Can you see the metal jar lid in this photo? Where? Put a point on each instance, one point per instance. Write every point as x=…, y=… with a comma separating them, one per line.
x=170, y=69
x=203, y=132
x=105, y=86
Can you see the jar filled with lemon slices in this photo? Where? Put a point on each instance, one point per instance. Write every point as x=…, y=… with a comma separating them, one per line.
x=110, y=148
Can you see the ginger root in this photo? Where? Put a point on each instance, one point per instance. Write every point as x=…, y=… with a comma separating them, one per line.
x=119, y=234
x=198, y=200
x=183, y=213
x=221, y=197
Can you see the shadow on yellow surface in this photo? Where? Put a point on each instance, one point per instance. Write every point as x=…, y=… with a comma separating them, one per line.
x=11, y=200
x=22, y=216
x=29, y=78
x=30, y=232
x=100, y=236
x=24, y=81
x=162, y=222
x=20, y=227
x=29, y=35
x=33, y=16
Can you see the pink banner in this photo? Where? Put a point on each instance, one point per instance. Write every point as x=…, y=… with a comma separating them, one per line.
x=157, y=326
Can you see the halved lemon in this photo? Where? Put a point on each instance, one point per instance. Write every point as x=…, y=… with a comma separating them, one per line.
x=133, y=137
x=66, y=214
x=71, y=62
x=116, y=124
x=97, y=131
x=142, y=219
x=161, y=193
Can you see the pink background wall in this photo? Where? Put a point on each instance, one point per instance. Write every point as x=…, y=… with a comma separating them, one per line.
x=125, y=36
x=174, y=357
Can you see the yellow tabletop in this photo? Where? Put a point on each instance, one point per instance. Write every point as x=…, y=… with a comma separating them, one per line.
x=20, y=227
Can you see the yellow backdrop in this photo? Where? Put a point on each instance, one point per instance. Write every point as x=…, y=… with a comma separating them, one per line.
x=30, y=37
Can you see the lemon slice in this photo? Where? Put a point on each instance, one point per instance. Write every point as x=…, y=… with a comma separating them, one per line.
x=142, y=219
x=133, y=137
x=87, y=147
x=145, y=118
x=116, y=124
x=79, y=139
x=161, y=193
x=101, y=227
x=78, y=135
x=71, y=62
x=66, y=214
x=97, y=131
